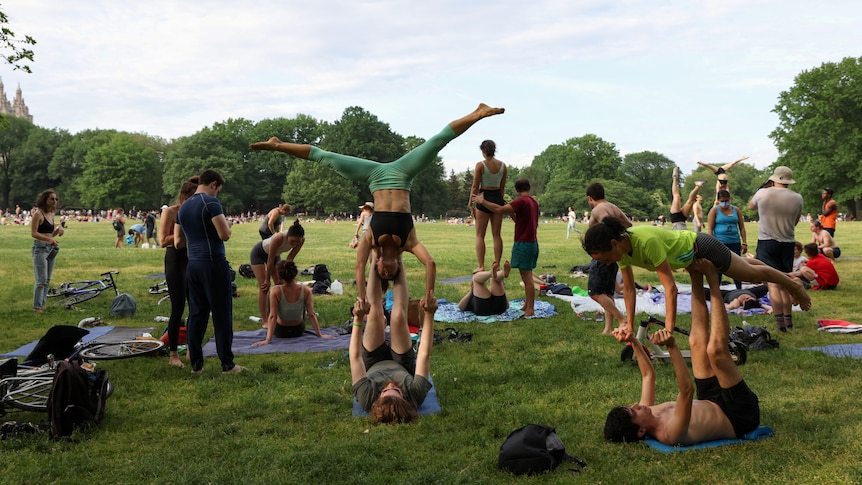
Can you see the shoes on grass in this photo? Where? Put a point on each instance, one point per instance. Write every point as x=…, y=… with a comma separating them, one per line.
x=234, y=370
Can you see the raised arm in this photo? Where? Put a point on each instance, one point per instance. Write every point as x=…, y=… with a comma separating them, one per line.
x=678, y=425
x=647, y=371
x=630, y=298
x=423, y=357
x=363, y=251
x=421, y=252
x=357, y=365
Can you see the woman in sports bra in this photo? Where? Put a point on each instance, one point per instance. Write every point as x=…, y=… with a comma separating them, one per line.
x=290, y=304
x=391, y=230
x=482, y=300
x=265, y=256
x=489, y=179
x=45, y=246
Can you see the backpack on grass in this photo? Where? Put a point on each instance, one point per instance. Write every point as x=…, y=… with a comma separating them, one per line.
x=322, y=279
x=535, y=448
x=245, y=271
x=77, y=398
x=124, y=305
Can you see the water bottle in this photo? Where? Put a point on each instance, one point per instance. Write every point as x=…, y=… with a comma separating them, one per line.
x=255, y=319
x=337, y=288
x=746, y=325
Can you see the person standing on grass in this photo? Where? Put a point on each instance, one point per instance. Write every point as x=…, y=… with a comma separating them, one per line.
x=363, y=221
x=525, y=250
x=201, y=226
x=829, y=213
x=780, y=209
x=150, y=223
x=489, y=179
x=264, y=257
x=728, y=226
x=45, y=247
x=725, y=407
x=572, y=219
x=273, y=221
x=601, y=284
x=176, y=263
x=120, y=227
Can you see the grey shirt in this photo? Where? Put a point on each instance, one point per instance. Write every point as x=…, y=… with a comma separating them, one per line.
x=367, y=389
x=779, y=209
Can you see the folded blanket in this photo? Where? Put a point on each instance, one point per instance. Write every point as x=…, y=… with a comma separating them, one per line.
x=448, y=312
x=760, y=433
x=308, y=342
x=838, y=326
x=431, y=405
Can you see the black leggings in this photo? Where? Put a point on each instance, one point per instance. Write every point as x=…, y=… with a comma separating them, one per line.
x=176, y=261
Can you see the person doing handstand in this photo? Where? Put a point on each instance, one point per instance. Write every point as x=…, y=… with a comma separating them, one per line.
x=483, y=300
x=391, y=230
x=390, y=380
x=725, y=407
x=679, y=213
x=721, y=174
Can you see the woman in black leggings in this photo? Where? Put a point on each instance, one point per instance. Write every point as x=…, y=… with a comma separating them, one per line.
x=176, y=261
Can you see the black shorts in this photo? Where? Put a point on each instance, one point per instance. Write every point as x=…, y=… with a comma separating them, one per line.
x=708, y=247
x=778, y=255
x=289, y=331
x=739, y=403
x=259, y=256
x=677, y=217
x=602, y=278
x=494, y=196
x=384, y=352
x=496, y=305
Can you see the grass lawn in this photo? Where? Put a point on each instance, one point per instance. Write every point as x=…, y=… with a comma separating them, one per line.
x=288, y=420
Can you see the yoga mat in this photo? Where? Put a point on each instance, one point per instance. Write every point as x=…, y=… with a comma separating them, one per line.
x=762, y=432
x=308, y=342
x=431, y=405
x=24, y=350
x=448, y=312
x=839, y=350
x=456, y=280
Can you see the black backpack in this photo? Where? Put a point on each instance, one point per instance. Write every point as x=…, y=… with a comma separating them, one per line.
x=535, y=448
x=321, y=277
x=77, y=398
x=117, y=225
x=245, y=271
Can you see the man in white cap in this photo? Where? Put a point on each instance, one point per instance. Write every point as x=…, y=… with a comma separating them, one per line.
x=780, y=209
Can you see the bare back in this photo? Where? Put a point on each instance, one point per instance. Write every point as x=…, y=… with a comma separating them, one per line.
x=604, y=209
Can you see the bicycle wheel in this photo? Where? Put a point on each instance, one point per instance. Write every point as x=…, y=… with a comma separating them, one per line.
x=28, y=393
x=121, y=350
x=70, y=288
x=71, y=301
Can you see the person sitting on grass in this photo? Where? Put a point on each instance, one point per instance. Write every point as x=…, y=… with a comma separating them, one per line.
x=290, y=304
x=663, y=251
x=481, y=299
x=725, y=407
x=818, y=273
x=390, y=380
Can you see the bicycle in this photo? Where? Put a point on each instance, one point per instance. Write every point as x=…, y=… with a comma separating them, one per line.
x=158, y=289
x=27, y=388
x=738, y=350
x=75, y=292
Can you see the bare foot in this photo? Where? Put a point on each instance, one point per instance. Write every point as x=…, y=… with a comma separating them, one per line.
x=38, y=310
x=676, y=172
x=507, y=268
x=529, y=313
x=607, y=332
x=270, y=144
x=800, y=295
x=175, y=360
x=478, y=269
x=485, y=111
x=699, y=183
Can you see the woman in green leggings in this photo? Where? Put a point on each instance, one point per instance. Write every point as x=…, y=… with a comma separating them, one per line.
x=391, y=231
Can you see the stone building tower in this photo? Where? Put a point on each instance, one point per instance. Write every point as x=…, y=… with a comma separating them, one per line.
x=16, y=108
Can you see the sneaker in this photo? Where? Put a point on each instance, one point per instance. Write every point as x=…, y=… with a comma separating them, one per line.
x=234, y=370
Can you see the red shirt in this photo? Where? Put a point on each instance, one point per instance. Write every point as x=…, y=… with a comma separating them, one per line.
x=827, y=277
x=526, y=218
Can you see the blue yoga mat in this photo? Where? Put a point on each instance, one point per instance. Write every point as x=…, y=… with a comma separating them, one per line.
x=431, y=405
x=762, y=432
x=24, y=350
x=839, y=350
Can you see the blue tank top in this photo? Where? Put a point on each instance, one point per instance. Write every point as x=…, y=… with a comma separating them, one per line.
x=727, y=227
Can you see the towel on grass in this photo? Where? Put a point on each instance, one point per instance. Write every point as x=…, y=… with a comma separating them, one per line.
x=651, y=304
x=308, y=342
x=448, y=312
x=839, y=350
x=431, y=405
x=762, y=432
x=838, y=326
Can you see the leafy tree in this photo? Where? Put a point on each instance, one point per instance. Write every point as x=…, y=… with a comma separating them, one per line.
x=120, y=173
x=458, y=186
x=12, y=138
x=650, y=170
x=67, y=162
x=15, y=51
x=30, y=174
x=635, y=202
x=819, y=134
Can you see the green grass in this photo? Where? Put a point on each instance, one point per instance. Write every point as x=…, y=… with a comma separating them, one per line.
x=288, y=419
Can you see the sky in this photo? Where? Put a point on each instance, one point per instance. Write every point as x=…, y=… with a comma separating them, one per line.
x=692, y=80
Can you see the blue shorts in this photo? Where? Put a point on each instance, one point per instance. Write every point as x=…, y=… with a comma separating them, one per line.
x=525, y=255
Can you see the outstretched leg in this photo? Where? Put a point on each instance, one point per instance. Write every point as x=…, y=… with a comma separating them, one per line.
x=274, y=144
x=741, y=269
x=698, y=338
x=718, y=350
x=675, y=203
x=497, y=277
x=461, y=125
x=692, y=198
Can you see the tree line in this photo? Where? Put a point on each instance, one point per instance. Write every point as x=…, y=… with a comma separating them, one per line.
x=818, y=136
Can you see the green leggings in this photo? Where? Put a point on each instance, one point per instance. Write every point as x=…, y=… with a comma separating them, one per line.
x=395, y=175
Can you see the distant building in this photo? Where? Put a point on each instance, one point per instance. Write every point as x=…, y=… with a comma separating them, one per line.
x=17, y=107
